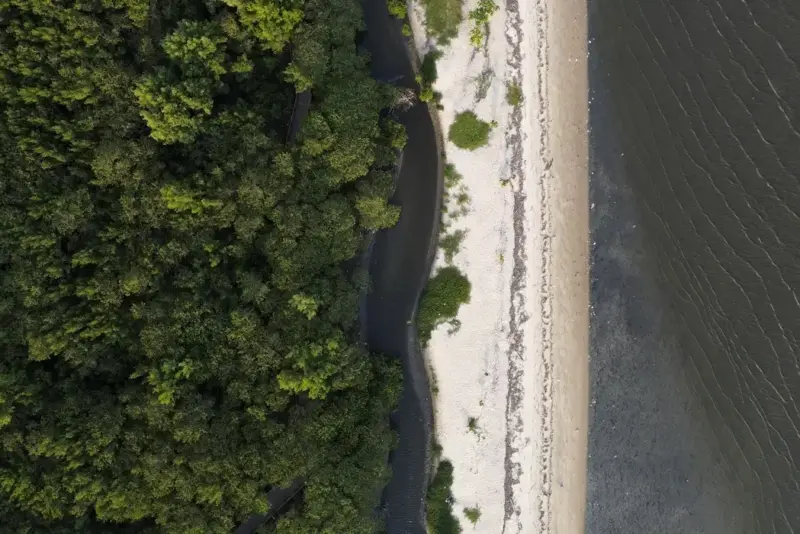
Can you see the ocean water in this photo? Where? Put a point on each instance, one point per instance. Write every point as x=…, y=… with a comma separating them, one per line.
x=695, y=182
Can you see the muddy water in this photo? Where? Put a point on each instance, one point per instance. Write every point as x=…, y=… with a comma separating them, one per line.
x=696, y=276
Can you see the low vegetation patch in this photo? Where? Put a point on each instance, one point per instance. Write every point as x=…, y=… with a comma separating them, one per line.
x=397, y=8
x=472, y=424
x=455, y=204
x=483, y=82
x=472, y=514
x=450, y=243
x=440, y=502
x=443, y=17
x=436, y=448
x=469, y=132
x=513, y=94
x=427, y=76
x=479, y=17
x=445, y=294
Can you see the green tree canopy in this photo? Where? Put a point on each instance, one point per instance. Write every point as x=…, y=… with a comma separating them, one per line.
x=178, y=325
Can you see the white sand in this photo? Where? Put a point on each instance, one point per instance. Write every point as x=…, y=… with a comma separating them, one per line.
x=519, y=362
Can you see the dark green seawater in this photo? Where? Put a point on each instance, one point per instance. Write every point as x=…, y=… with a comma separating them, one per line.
x=696, y=266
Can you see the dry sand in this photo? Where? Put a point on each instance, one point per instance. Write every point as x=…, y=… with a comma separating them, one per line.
x=519, y=361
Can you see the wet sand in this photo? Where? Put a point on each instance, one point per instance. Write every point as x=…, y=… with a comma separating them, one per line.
x=568, y=102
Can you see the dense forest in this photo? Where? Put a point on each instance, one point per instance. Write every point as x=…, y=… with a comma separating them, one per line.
x=179, y=315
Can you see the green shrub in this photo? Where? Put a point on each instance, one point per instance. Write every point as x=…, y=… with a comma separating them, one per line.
x=473, y=514
x=397, y=8
x=428, y=72
x=427, y=76
x=407, y=30
x=439, y=509
x=480, y=19
x=513, y=94
x=445, y=294
x=468, y=131
x=443, y=17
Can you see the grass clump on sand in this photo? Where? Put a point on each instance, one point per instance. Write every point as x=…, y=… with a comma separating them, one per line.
x=445, y=294
x=450, y=243
x=483, y=83
x=443, y=17
x=456, y=201
x=455, y=205
x=469, y=132
x=439, y=505
x=472, y=514
x=513, y=94
x=472, y=424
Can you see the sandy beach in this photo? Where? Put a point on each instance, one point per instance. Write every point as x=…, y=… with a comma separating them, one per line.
x=518, y=364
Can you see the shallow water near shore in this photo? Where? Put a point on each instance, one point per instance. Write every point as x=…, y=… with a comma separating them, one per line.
x=695, y=372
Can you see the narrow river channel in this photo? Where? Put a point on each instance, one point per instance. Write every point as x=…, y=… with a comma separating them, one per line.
x=401, y=261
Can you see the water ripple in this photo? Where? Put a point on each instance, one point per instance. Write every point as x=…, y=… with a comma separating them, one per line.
x=705, y=94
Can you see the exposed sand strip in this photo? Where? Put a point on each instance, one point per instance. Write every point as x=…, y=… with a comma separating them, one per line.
x=519, y=362
x=568, y=97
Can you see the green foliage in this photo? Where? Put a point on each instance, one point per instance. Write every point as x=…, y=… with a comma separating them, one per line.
x=513, y=94
x=428, y=67
x=375, y=213
x=468, y=131
x=427, y=77
x=455, y=204
x=407, y=30
x=443, y=17
x=271, y=22
x=479, y=17
x=179, y=329
x=175, y=100
x=472, y=514
x=439, y=503
x=397, y=8
x=396, y=134
x=309, y=57
x=294, y=74
x=452, y=177
x=444, y=295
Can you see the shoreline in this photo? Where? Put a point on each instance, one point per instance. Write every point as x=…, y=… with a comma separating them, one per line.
x=568, y=48
x=512, y=407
